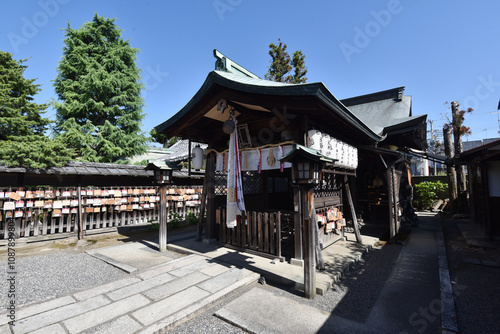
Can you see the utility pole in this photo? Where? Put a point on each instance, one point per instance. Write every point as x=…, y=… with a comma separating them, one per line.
x=433, y=143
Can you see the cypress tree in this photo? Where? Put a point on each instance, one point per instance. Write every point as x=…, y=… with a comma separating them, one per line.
x=99, y=89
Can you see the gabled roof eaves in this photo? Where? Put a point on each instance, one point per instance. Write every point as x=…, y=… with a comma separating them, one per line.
x=267, y=87
x=394, y=94
x=380, y=114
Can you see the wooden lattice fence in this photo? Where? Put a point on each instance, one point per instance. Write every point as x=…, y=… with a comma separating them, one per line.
x=31, y=212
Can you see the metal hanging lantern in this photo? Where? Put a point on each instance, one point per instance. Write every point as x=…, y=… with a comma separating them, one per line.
x=228, y=126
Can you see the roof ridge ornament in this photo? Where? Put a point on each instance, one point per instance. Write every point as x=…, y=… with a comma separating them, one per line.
x=225, y=64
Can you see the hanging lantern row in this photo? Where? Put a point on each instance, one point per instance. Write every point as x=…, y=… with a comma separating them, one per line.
x=345, y=155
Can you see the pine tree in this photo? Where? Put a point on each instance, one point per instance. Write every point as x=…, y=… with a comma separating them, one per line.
x=99, y=85
x=282, y=64
x=300, y=70
x=22, y=126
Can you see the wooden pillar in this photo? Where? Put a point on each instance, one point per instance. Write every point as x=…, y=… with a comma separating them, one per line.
x=353, y=211
x=210, y=175
x=202, y=207
x=309, y=244
x=297, y=221
x=390, y=199
x=163, y=218
x=189, y=157
x=395, y=197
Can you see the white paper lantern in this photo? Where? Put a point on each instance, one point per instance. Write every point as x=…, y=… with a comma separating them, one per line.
x=325, y=144
x=333, y=145
x=314, y=139
x=197, y=157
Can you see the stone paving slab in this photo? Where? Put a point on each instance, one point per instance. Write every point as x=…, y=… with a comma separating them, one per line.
x=121, y=325
x=165, y=307
x=139, y=287
x=131, y=257
x=174, y=286
x=170, y=266
x=259, y=311
x=105, y=288
x=51, y=317
x=103, y=314
x=53, y=329
x=33, y=309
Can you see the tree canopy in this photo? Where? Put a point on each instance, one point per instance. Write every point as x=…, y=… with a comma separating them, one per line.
x=162, y=139
x=22, y=126
x=99, y=89
x=457, y=120
x=282, y=64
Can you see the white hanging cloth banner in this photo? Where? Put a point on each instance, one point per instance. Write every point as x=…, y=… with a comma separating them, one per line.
x=235, y=201
x=258, y=159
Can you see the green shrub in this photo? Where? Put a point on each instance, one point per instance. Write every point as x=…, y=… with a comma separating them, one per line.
x=426, y=193
x=175, y=220
x=191, y=218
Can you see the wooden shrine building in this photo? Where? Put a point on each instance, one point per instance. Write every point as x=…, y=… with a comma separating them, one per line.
x=286, y=133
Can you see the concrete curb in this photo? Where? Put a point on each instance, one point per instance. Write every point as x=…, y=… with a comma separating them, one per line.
x=448, y=314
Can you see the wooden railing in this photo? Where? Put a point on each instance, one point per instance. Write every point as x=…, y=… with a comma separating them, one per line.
x=34, y=212
x=257, y=231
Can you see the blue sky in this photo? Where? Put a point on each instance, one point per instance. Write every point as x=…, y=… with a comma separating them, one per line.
x=440, y=50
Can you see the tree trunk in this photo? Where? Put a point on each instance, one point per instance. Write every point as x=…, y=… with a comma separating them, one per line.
x=452, y=176
x=461, y=181
x=460, y=170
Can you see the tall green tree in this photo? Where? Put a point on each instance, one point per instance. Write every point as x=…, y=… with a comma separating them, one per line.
x=22, y=126
x=99, y=89
x=282, y=64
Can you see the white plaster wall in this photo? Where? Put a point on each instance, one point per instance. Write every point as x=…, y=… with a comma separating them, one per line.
x=494, y=178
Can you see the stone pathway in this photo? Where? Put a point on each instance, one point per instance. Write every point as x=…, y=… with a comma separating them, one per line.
x=148, y=301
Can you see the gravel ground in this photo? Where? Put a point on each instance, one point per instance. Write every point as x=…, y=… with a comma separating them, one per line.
x=352, y=297
x=44, y=276
x=476, y=287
